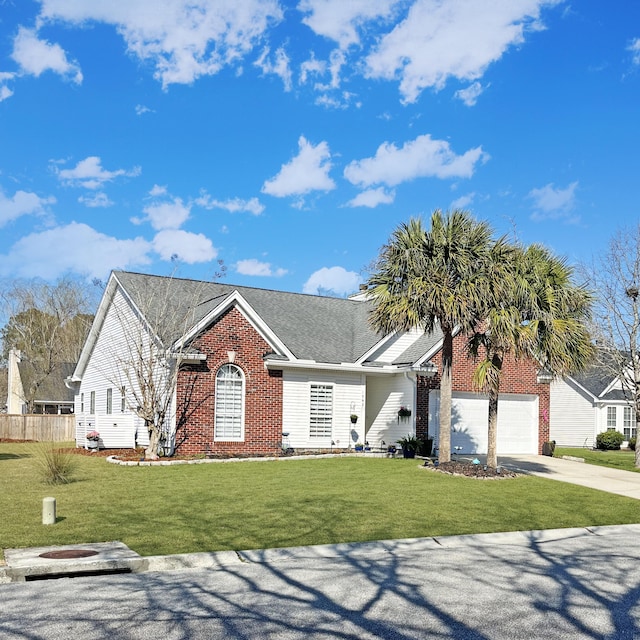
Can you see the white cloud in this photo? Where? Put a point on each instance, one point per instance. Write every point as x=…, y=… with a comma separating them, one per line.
x=372, y=198
x=339, y=20
x=97, y=200
x=335, y=280
x=634, y=47
x=171, y=214
x=311, y=67
x=23, y=203
x=5, y=92
x=463, y=201
x=141, y=110
x=308, y=171
x=88, y=173
x=253, y=267
x=37, y=56
x=75, y=247
x=188, y=247
x=183, y=39
x=471, y=94
x=233, y=205
x=279, y=67
x=419, y=158
x=553, y=203
x=458, y=38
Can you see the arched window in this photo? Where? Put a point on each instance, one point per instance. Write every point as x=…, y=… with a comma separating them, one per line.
x=229, y=407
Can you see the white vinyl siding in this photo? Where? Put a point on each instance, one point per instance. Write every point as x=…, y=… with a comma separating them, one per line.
x=349, y=395
x=102, y=372
x=385, y=395
x=321, y=411
x=229, y=405
x=396, y=346
x=572, y=415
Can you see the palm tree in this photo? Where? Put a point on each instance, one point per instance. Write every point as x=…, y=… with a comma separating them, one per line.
x=436, y=277
x=536, y=312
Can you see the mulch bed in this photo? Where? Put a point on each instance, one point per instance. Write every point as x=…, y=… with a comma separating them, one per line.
x=471, y=470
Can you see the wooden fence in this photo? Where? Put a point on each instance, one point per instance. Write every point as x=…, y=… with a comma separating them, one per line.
x=42, y=428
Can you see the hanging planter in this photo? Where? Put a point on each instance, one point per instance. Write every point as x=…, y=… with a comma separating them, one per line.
x=403, y=414
x=353, y=418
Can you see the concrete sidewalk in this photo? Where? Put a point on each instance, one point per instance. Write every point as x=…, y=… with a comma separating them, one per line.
x=24, y=565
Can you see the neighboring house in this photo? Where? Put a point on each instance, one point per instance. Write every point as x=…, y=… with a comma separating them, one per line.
x=4, y=388
x=51, y=396
x=584, y=405
x=264, y=369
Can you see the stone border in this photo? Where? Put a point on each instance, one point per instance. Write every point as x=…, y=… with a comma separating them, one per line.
x=168, y=462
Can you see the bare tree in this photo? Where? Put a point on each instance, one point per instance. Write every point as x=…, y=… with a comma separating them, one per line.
x=48, y=324
x=614, y=277
x=142, y=348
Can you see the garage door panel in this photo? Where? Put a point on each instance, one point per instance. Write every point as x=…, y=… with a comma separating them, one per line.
x=517, y=422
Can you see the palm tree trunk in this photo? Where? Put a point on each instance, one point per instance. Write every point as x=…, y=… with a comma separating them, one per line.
x=444, y=437
x=492, y=430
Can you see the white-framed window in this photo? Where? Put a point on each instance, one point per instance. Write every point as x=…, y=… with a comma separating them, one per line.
x=123, y=400
x=612, y=422
x=92, y=403
x=628, y=430
x=229, y=404
x=321, y=411
x=82, y=403
x=109, y=400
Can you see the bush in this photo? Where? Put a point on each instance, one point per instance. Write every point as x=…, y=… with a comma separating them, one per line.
x=55, y=466
x=609, y=440
x=632, y=444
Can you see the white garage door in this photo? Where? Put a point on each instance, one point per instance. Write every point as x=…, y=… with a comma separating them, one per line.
x=517, y=422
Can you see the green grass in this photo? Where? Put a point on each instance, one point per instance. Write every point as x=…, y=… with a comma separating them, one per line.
x=208, y=507
x=624, y=460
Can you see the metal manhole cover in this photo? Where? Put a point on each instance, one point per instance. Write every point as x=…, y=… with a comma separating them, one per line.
x=66, y=554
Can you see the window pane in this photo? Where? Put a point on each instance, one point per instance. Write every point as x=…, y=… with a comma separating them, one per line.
x=321, y=418
x=611, y=417
x=109, y=400
x=229, y=401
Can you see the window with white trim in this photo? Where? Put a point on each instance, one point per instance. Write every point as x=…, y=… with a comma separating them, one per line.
x=321, y=414
x=82, y=403
x=92, y=402
x=109, y=400
x=123, y=400
x=628, y=430
x=611, y=418
x=229, y=404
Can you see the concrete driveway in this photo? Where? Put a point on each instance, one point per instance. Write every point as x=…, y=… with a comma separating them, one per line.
x=624, y=483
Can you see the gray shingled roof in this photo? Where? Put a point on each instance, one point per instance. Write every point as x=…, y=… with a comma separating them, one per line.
x=52, y=388
x=319, y=328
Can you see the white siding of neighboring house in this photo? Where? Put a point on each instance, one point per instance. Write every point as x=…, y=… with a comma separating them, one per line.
x=385, y=395
x=396, y=346
x=572, y=418
x=348, y=397
x=102, y=373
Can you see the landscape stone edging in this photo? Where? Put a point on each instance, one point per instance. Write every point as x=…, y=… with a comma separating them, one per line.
x=573, y=458
x=167, y=463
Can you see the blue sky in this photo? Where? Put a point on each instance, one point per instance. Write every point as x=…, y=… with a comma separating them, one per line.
x=289, y=139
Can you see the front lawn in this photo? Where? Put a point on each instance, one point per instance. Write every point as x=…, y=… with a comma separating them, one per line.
x=208, y=507
x=624, y=460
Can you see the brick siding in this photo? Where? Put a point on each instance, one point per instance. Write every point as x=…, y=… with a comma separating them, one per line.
x=196, y=391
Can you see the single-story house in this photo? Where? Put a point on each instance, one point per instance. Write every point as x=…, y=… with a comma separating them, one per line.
x=50, y=394
x=586, y=404
x=259, y=369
